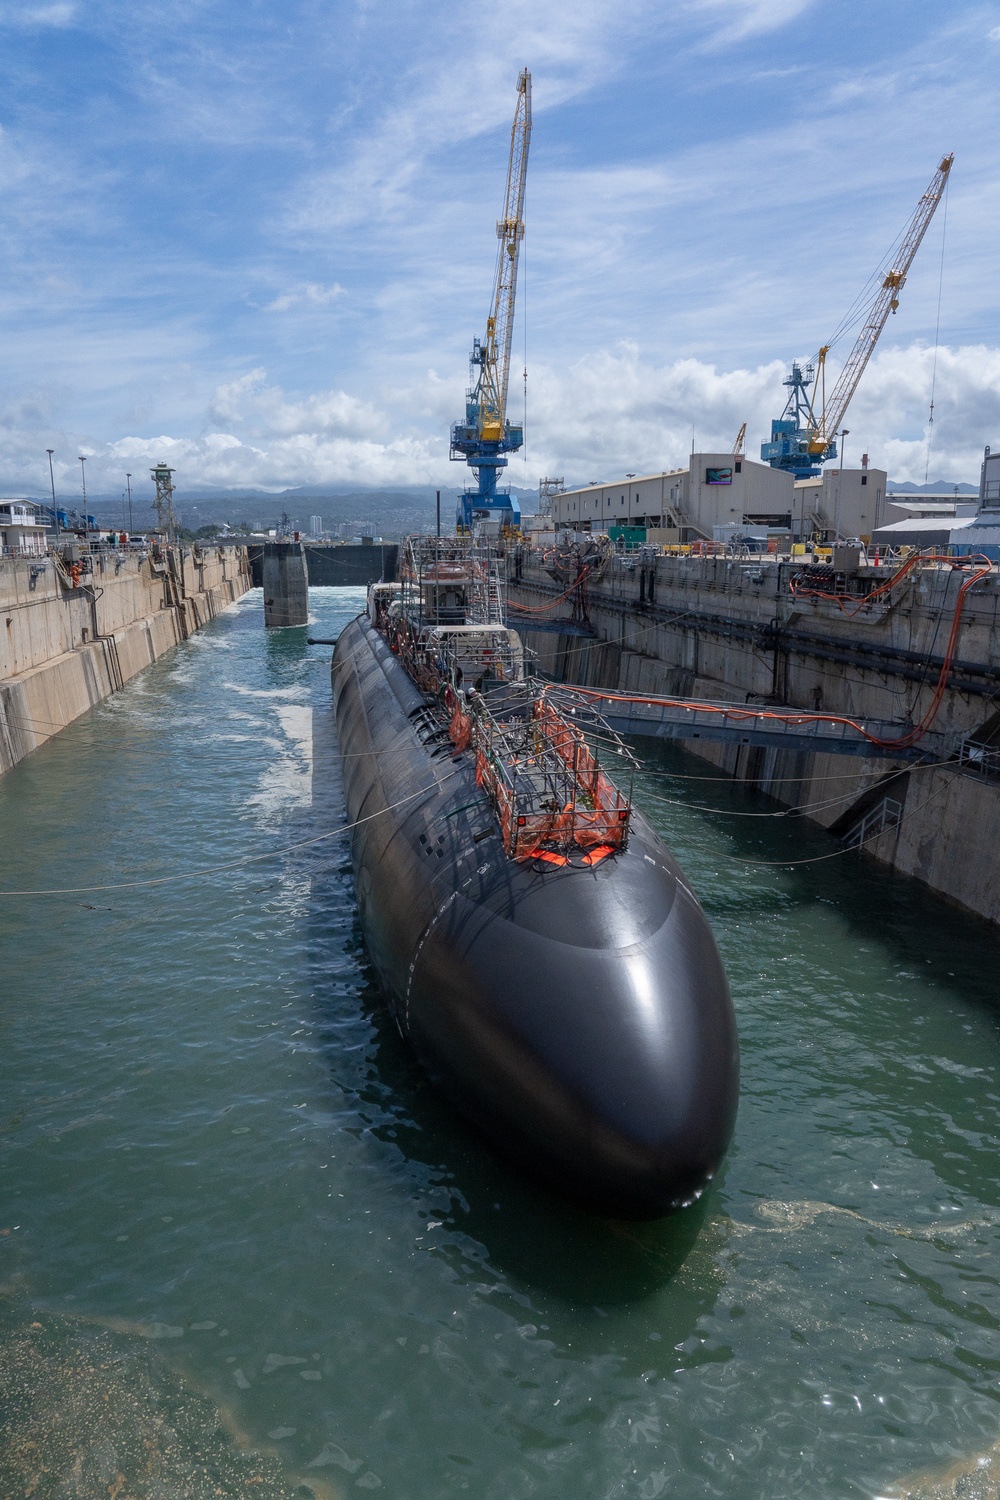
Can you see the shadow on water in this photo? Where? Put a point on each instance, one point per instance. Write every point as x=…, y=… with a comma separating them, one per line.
x=526, y=1231
x=282, y=647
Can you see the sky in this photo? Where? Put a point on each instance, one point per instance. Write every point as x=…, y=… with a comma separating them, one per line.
x=256, y=241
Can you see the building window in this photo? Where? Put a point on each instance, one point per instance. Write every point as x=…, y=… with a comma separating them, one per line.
x=864, y=479
x=738, y=466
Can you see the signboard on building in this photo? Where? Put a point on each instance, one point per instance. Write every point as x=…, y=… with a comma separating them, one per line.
x=719, y=476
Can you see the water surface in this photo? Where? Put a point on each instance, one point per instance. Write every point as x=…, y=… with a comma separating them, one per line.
x=214, y=1142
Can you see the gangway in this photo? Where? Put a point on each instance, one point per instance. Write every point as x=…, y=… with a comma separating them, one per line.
x=774, y=726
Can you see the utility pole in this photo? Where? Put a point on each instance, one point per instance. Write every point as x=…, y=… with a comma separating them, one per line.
x=128, y=481
x=52, y=482
x=163, y=501
x=439, y=513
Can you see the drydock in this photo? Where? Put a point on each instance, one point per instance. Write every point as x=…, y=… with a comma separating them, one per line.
x=912, y=651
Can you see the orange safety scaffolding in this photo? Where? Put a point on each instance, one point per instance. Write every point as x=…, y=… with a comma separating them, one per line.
x=546, y=786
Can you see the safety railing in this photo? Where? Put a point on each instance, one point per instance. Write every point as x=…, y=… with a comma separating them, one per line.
x=982, y=760
x=883, y=816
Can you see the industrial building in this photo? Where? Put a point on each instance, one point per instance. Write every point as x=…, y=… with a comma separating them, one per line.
x=683, y=505
x=22, y=531
x=965, y=523
x=841, y=503
x=720, y=493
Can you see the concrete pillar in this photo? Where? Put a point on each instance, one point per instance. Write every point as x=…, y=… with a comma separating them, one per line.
x=286, y=584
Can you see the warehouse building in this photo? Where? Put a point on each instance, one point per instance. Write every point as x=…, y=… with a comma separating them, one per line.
x=683, y=505
x=841, y=502
x=720, y=494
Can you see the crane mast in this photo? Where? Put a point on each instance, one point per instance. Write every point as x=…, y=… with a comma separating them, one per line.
x=485, y=437
x=801, y=441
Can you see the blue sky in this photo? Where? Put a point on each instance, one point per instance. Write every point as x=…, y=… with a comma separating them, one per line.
x=257, y=241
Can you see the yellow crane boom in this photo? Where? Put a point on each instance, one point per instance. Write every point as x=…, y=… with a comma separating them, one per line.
x=495, y=355
x=886, y=302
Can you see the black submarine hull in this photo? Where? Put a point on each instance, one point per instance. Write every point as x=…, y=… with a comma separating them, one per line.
x=578, y=1017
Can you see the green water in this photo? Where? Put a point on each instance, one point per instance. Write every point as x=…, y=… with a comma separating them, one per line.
x=211, y=1135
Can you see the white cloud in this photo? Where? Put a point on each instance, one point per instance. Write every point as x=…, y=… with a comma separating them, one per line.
x=309, y=292
x=614, y=411
x=261, y=410
x=28, y=16
x=745, y=18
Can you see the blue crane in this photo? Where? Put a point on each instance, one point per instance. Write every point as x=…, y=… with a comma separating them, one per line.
x=801, y=441
x=485, y=437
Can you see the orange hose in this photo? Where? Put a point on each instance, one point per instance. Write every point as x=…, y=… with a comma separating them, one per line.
x=904, y=742
x=540, y=609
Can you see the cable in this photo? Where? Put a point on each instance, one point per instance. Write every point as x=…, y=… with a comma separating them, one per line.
x=937, y=332
x=810, y=807
x=540, y=609
x=247, y=859
x=834, y=854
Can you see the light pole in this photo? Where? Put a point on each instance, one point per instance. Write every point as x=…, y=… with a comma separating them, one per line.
x=844, y=432
x=83, y=481
x=128, y=481
x=52, y=482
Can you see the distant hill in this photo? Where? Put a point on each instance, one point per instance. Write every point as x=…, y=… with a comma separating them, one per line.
x=388, y=512
x=940, y=488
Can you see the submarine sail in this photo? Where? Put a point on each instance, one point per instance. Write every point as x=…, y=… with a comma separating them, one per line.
x=537, y=942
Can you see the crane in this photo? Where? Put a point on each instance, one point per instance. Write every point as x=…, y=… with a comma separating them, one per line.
x=800, y=440
x=485, y=437
x=740, y=436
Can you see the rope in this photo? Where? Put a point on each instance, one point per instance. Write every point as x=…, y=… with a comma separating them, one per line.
x=836, y=853
x=247, y=859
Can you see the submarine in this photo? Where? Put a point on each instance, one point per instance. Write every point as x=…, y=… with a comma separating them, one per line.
x=537, y=943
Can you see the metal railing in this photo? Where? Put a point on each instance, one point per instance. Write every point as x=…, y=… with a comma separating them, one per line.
x=883, y=816
x=981, y=760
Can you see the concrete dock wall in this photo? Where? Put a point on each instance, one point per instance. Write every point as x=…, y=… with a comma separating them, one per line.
x=65, y=645
x=723, y=629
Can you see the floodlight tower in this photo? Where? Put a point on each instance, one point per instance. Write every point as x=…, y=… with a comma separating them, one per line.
x=163, y=501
